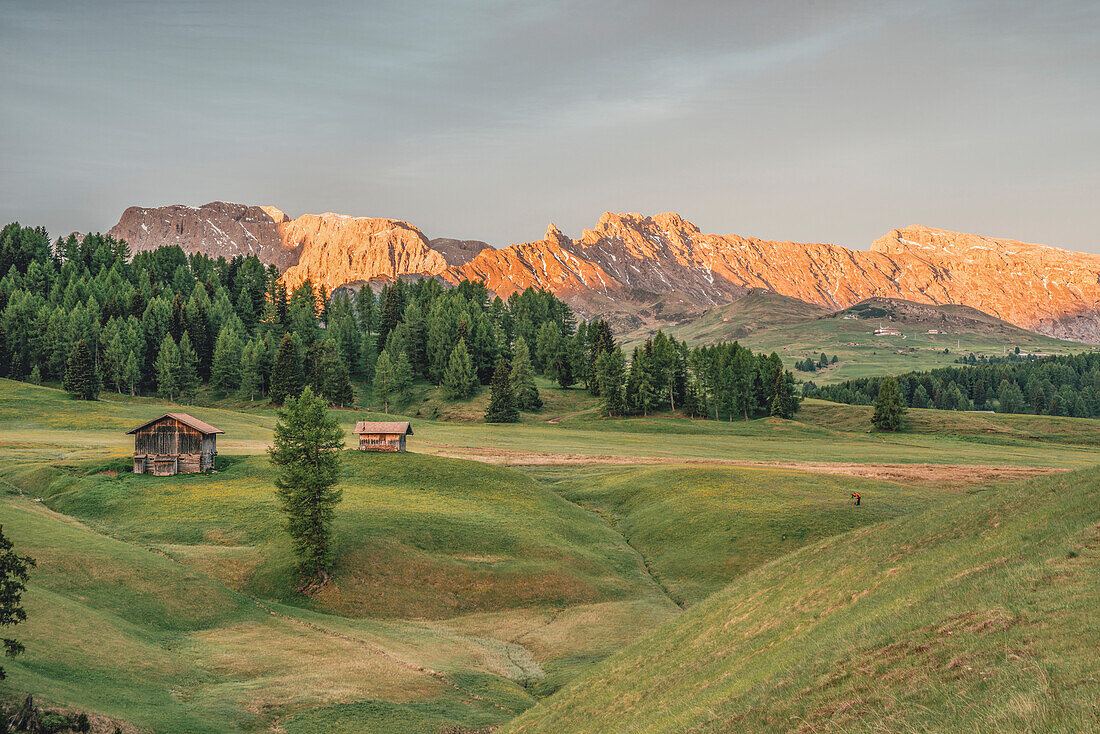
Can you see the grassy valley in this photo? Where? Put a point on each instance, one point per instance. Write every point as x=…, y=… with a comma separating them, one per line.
x=491, y=571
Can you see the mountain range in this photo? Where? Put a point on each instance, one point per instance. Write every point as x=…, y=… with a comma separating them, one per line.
x=633, y=269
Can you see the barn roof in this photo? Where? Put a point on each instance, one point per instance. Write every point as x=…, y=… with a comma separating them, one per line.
x=383, y=427
x=188, y=420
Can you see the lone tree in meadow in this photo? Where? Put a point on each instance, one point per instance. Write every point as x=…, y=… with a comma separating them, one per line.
x=502, y=398
x=306, y=450
x=14, y=572
x=889, y=409
x=81, y=378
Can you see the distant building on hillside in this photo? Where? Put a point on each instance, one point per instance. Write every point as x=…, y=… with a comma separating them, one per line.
x=887, y=331
x=382, y=435
x=175, y=443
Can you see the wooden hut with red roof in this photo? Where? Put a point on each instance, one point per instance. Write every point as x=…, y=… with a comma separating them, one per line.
x=174, y=443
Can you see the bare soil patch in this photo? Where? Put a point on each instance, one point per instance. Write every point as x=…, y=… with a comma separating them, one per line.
x=908, y=473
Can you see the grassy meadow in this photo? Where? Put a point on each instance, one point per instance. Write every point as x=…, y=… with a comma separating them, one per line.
x=972, y=615
x=498, y=570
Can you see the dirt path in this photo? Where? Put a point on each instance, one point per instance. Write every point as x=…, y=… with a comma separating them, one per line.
x=954, y=473
x=559, y=418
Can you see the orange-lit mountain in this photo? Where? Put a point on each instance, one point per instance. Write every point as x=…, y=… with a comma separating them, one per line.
x=631, y=268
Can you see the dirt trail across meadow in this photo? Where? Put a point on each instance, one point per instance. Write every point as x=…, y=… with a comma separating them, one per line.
x=952, y=473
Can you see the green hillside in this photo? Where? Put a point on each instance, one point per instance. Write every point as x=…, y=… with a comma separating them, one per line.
x=769, y=322
x=757, y=309
x=976, y=614
x=464, y=592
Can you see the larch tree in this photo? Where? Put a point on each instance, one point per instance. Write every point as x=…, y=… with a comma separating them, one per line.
x=225, y=372
x=81, y=377
x=459, y=378
x=286, y=373
x=168, y=368
x=523, y=377
x=131, y=375
x=610, y=377
x=306, y=450
x=14, y=573
x=188, y=371
x=385, y=381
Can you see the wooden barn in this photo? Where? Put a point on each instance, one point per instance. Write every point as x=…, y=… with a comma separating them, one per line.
x=382, y=436
x=175, y=443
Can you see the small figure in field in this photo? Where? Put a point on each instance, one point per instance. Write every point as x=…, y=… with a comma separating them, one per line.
x=856, y=496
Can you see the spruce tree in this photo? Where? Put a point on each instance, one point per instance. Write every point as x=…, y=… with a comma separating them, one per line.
x=385, y=380
x=459, y=378
x=286, y=373
x=610, y=376
x=188, y=380
x=889, y=408
x=81, y=377
x=306, y=450
x=523, y=377
x=502, y=398
x=168, y=368
x=225, y=371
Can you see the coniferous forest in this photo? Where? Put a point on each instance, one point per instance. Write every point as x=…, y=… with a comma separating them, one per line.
x=81, y=312
x=1059, y=385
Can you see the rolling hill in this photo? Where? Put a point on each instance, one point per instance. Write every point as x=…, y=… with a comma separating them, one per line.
x=974, y=615
x=465, y=593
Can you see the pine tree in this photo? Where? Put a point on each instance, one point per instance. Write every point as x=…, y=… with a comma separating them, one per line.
x=385, y=380
x=610, y=376
x=502, y=399
x=286, y=373
x=35, y=377
x=523, y=377
x=225, y=371
x=114, y=359
x=306, y=451
x=188, y=380
x=81, y=377
x=889, y=408
x=168, y=368
x=459, y=378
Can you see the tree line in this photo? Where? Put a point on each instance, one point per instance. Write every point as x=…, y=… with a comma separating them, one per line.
x=723, y=381
x=81, y=312
x=1067, y=385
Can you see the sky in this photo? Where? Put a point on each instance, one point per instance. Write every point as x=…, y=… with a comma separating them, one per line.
x=807, y=120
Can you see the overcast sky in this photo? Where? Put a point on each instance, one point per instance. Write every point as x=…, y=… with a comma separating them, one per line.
x=810, y=120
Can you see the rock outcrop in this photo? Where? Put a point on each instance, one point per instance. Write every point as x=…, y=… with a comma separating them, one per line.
x=336, y=249
x=627, y=257
x=216, y=229
x=634, y=269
